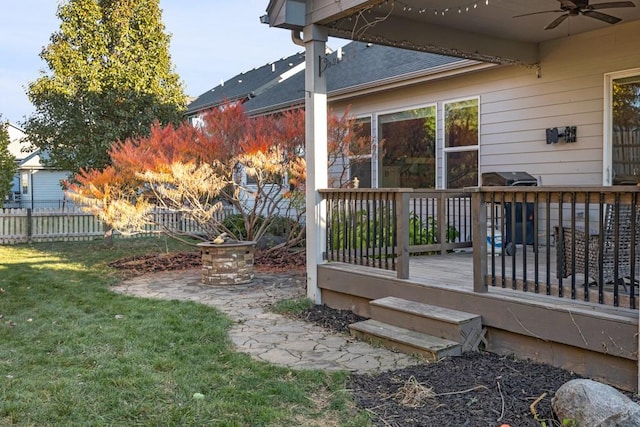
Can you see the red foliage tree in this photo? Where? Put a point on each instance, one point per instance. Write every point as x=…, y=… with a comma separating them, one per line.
x=197, y=171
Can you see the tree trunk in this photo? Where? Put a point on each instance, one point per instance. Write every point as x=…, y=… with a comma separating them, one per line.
x=108, y=235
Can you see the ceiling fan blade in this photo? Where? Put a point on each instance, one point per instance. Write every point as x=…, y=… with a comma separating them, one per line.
x=538, y=13
x=611, y=5
x=568, y=4
x=556, y=22
x=601, y=16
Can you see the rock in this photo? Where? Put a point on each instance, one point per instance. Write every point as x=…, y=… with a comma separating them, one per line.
x=590, y=403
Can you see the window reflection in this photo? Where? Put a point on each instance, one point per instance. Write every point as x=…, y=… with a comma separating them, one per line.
x=461, y=142
x=626, y=130
x=408, y=149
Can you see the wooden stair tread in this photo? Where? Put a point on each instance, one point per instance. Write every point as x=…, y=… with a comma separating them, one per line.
x=424, y=310
x=396, y=334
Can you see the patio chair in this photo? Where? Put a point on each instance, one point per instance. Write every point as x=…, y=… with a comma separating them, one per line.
x=587, y=248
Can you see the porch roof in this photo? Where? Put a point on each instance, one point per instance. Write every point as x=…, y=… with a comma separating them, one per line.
x=484, y=30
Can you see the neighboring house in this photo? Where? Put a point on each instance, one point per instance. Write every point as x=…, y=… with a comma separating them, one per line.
x=34, y=186
x=554, y=94
x=353, y=71
x=258, y=82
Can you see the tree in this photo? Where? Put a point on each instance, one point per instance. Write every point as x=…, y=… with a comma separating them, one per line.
x=7, y=163
x=197, y=171
x=111, y=78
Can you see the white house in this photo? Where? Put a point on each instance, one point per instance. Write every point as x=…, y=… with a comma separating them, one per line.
x=35, y=186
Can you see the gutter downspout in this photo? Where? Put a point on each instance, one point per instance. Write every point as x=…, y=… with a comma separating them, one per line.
x=296, y=39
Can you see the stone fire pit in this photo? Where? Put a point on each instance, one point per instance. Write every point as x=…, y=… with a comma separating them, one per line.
x=229, y=263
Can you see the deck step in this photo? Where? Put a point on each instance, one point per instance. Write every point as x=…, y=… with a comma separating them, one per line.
x=461, y=327
x=405, y=340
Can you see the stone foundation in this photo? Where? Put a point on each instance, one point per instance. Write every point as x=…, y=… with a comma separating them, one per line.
x=227, y=263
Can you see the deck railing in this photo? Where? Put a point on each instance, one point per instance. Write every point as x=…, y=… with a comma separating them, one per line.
x=381, y=227
x=580, y=243
x=569, y=242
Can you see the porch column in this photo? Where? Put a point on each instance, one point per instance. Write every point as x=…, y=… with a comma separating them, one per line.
x=315, y=38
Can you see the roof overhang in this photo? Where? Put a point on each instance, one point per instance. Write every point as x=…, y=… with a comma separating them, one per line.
x=484, y=30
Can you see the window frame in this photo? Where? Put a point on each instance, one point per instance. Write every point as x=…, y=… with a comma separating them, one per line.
x=607, y=130
x=446, y=150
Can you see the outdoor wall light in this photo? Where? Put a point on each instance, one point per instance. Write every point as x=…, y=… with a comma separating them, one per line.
x=567, y=134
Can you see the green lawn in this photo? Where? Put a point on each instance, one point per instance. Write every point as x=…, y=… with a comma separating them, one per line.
x=74, y=353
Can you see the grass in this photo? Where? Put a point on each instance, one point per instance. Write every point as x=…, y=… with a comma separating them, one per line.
x=74, y=353
x=292, y=306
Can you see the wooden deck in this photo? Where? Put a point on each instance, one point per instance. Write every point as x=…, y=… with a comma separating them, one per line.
x=593, y=339
x=455, y=271
x=525, y=308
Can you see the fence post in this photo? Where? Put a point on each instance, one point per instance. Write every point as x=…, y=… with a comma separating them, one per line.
x=402, y=224
x=479, y=237
x=29, y=225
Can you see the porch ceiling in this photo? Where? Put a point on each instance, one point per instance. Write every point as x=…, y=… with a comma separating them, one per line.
x=486, y=30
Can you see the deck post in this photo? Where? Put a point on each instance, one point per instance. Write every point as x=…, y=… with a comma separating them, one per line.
x=402, y=218
x=441, y=221
x=315, y=38
x=479, y=233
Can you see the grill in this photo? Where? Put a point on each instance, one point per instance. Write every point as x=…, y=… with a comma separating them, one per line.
x=508, y=179
x=514, y=232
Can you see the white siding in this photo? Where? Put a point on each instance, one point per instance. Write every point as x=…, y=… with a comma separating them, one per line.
x=518, y=103
x=46, y=185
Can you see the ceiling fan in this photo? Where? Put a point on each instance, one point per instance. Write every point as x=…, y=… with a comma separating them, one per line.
x=582, y=7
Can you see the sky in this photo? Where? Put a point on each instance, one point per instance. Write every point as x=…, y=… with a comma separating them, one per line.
x=211, y=41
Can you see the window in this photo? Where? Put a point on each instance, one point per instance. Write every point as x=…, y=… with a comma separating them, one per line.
x=360, y=153
x=622, y=128
x=24, y=177
x=461, y=143
x=407, y=142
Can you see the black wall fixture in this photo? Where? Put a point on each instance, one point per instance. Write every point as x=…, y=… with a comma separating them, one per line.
x=566, y=134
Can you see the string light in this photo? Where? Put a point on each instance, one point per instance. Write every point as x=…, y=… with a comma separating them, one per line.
x=407, y=44
x=391, y=4
x=463, y=8
x=361, y=22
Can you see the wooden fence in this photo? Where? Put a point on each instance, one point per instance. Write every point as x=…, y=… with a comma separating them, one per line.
x=48, y=225
x=41, y=225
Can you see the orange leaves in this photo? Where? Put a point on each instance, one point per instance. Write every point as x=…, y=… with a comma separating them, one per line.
x=222, y=132
x=260, y=136
x=284, y=131
x=297, y=174
x=163, y=146
x=93, y=184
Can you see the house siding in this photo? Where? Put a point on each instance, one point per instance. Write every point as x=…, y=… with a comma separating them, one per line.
x=46, y=185
x=518, y=103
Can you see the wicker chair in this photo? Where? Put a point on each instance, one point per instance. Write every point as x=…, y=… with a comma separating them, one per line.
x=587, y=248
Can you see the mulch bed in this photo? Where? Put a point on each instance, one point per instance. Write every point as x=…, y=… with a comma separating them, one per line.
x=476, y=389
x=329, y=318
x=142, y=264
